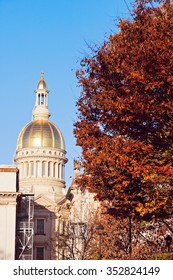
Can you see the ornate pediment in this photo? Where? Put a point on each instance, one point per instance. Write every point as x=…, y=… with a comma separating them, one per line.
x=45, y=202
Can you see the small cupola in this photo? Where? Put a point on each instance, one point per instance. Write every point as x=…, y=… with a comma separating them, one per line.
x=41, y=105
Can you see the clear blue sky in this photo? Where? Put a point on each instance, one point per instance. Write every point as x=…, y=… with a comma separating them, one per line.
x=49, y=36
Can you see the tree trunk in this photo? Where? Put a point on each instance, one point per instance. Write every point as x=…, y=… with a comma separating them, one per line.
x=130, y=235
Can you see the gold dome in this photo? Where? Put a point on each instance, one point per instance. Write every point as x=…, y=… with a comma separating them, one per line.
x=40, y=133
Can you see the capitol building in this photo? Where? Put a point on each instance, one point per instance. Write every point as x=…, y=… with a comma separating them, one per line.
x=35, y=206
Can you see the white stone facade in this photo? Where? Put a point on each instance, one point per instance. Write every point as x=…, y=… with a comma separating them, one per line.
x=42, y=171
x=8, y=198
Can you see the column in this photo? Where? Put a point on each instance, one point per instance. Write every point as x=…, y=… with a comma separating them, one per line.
x=60, y=171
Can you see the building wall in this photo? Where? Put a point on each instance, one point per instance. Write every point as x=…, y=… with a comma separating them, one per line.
x=83, y=218
x=8, y=196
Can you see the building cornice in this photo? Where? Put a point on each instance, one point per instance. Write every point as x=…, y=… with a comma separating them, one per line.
x=7, y=198
x=8, y=169
x=9, y=194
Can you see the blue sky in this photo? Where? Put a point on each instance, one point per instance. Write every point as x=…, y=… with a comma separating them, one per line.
x=49, y=36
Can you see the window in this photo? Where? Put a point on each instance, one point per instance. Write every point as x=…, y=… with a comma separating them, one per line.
x=44, y=168
x=48, y=169
x=59, y=167
x=37, y=169
x=62, y=171
x=32, y=168
x=42, y=99
x=39, y=99
x=54, y=168
x=40, y=226
x=39, y=253
x=27, y=169
x=61, y=227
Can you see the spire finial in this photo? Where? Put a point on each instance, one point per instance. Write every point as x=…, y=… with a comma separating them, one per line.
x=42, y=74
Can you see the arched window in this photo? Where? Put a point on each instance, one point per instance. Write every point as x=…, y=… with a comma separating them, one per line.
x=49, y=173
x=37, y=169
x=27, y=169
x=42, y=99
x=61, y=227
x=56, y=169
x=39, y=99
x=44, y=168
x=53, y=170
x=62, y=171
x=32, y=168
x=59, y=170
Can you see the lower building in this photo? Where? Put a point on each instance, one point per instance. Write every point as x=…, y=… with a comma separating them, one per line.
x=8, y=200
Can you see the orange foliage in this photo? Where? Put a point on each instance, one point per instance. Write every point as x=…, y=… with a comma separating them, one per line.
x=125, y=120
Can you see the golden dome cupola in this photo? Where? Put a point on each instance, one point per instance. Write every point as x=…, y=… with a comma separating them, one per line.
x=41, y=111
x=40, y=152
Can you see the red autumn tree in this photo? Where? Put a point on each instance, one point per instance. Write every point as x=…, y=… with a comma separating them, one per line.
x=125, y=115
